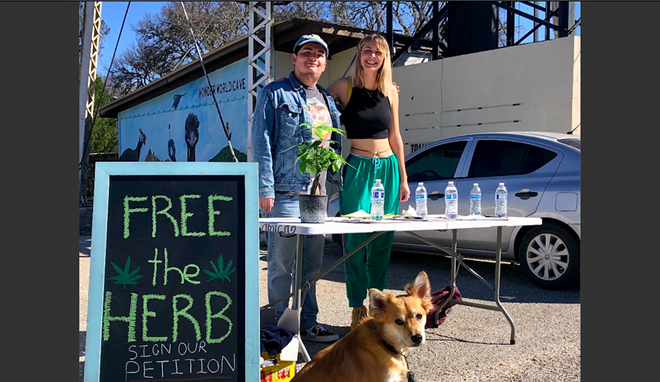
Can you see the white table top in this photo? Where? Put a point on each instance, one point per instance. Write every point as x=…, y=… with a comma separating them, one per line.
x=347, y=225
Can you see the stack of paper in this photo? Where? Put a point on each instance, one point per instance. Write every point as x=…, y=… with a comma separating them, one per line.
x=357, y=215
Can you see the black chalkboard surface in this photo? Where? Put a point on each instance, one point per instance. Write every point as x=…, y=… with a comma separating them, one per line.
x=175, y=280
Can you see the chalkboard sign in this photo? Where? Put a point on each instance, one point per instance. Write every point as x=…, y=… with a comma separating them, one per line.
x=174, y=283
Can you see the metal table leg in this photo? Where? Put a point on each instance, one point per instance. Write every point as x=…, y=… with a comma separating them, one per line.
x=456, y=262
x=300, y=290
x=298, y=298
x=324, y=272
x=498, y=260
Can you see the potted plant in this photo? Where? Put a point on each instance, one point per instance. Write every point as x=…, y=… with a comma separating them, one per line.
x=316, y=155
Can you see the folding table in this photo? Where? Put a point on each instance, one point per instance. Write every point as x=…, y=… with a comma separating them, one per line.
x=337, y=225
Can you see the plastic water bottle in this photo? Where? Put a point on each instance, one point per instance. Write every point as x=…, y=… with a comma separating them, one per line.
x=475, y=200
x=420, y=198
x=451, y=201
x=377, y=201
x=500, y=201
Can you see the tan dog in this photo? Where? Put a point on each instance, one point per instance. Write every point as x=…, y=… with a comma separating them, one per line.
x=375, y=350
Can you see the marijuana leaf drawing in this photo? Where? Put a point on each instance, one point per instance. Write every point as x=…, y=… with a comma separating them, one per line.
x=220, y=272
x=125, y=276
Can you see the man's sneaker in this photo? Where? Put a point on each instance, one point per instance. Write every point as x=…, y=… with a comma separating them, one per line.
x=318, y=334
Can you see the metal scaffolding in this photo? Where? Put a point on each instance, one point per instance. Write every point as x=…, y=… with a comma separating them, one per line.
x=557, y=17
x=88, y=62
x=259, y=58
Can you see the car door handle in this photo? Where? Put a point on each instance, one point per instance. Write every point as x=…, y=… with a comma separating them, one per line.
x=526, y=193
x=436, y=195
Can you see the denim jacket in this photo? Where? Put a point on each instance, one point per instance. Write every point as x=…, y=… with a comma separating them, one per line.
x=281, y=108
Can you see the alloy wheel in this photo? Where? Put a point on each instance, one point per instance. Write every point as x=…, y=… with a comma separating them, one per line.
x=547, y=256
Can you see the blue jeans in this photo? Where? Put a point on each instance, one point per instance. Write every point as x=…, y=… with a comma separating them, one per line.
x=281, y=259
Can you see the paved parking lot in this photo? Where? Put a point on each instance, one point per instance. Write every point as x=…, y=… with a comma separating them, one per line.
x=472, y=344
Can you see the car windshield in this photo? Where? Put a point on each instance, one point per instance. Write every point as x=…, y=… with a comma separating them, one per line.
x=573, y=142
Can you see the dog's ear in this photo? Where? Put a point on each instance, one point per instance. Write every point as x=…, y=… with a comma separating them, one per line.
x=420, y=287
x=377, y=301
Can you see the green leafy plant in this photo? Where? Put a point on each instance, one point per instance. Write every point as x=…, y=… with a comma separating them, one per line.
x=125, y=276
x=317, y=155
x=220, y=272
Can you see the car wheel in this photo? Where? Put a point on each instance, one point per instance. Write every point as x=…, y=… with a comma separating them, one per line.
x=549, y=256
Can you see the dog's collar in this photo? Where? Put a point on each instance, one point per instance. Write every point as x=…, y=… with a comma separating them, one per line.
x=389, y=347
x=386, y=344
x=392, y=349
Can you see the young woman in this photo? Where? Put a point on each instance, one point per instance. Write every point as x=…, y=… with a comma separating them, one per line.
x=370, y=115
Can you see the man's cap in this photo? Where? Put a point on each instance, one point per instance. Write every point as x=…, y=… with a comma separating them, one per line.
x=310, y=38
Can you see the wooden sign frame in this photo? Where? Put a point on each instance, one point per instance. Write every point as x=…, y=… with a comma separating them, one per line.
x=105, y=171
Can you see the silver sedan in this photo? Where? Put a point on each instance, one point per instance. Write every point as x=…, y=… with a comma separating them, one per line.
x=541, y=172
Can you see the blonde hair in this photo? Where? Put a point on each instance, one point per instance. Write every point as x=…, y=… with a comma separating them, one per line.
x=384, y=76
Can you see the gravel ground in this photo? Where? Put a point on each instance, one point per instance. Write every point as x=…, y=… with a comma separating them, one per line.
x=472, y=344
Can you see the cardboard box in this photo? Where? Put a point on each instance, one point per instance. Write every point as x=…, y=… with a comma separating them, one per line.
x=285, y=364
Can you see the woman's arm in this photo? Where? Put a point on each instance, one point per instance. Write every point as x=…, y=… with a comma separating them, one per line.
x=339, y=91
x=396, y=144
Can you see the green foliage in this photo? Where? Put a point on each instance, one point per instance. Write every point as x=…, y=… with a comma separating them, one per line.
x=104, y=132
x=220, y=272
x=317, y=155
x=103, y=137
x=164, y=43
x=125, y=276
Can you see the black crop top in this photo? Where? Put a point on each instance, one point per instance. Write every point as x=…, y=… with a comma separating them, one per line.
x=367, y=115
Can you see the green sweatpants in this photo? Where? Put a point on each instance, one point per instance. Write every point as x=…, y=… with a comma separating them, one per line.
x=368, y=267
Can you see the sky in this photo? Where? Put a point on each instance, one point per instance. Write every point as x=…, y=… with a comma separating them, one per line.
x=112, y=13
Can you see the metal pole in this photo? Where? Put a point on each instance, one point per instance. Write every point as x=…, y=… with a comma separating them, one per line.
x=436, y=34
x=536, y=32
x=498, y=263
x=510, y=24
x=548, y=9
x=88, y=20
x=563, y=19
x=298, y=295
x=87, y=86
x=260, y=59
x=390, y=30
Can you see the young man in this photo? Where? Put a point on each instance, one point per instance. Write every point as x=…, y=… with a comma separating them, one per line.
x=281, y=107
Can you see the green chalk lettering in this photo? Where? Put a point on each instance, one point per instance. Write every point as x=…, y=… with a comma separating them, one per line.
x=146, y=313
x=128, y=211
x=185, y=215
x=164, y=212
x=220, y=315
x=155, y=262
x=183, y=313
x=130, y=319
x=186, y=276
x=213, y=213
x=168, y=269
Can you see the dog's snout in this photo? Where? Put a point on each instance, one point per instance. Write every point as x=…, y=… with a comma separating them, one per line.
x=416, y=339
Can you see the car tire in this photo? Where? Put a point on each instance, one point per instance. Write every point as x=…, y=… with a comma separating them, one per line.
x=549, y=256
